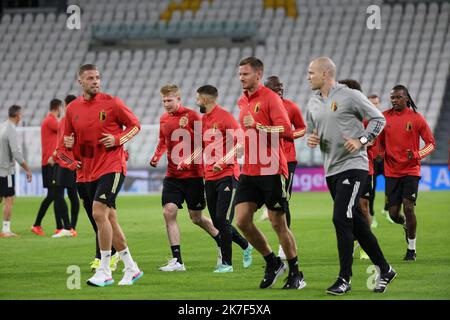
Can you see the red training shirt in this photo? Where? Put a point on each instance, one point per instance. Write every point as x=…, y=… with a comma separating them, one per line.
x=296, y=118
x=270, y=117
x=402, y=132
x=219, y=128
x=168, y=125
x=49, y=129
x=88, y=119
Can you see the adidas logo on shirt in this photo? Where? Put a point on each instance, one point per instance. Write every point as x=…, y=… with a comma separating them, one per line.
x=346, y=181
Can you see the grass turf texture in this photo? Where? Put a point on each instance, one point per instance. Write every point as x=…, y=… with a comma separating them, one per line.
x=34, y=267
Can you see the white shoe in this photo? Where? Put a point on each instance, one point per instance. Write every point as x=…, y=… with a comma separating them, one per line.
x=219, y=257
x=281, y=253
x=8, y=234
x=173, y=265
x=62, y=233
x=264, y=215
x=131, y=275
x=101, y=278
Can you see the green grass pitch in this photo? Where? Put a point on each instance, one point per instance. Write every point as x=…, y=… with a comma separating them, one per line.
x=33, y=267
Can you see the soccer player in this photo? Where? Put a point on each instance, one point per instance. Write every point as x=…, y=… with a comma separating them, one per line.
x=401, y=142
x=221, y=172
x=378, y=167
x=9, y=153
x=366, y=188
x=96, y=121
x=49, y=129
x=265, y=122
x=184, y=176
x=296, y=119
x=334, y=120
x=65, y=179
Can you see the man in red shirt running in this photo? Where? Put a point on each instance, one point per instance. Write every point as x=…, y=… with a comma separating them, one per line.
x=184, y=177
x=265, y=122
x=96, y=121
x=400, y=140
x=297, y=121
x=222, y=172
x=49, y=129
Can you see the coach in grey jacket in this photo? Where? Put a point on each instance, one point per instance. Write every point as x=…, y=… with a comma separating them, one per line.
x=334, y=120
x=9, y=153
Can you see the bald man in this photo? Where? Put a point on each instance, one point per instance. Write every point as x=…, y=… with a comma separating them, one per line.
x=334, y=121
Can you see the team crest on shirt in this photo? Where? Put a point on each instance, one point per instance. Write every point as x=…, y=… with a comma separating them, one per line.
x=409, y=126
x=102, y=116
x=256, y=108
x=334, y=106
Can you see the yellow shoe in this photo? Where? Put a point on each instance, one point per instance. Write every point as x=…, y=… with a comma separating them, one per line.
x=114, y=261
x=363, y=255
x=95, y=264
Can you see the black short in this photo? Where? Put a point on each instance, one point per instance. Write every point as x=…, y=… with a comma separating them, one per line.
x=7, y=185
x=104, y=190
x=401, y=188
x=290, y=180
x=64, y=177
x=220, y=196
x=48, y=176
x=367, y=188
x=269, y=190
x=191, y=190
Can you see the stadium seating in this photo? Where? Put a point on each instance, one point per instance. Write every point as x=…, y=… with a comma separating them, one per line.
x=39, y=55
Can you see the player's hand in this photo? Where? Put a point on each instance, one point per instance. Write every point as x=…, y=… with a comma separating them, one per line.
x=182, y=166
x=69, y=141
x=29, y=175
x=108, y=140
x=239, y=152
x=154, y=162
x=217, y=167
x=51, y=161
x=249, y=122
x=370, y=143
x=313, y=139
x=352, y=145
x=75, y=165
x=183, y=121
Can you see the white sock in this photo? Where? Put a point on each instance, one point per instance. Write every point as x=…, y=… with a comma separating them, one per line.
x=105, y=260
x=412, y=244
x=6, y=226
x=126, y=258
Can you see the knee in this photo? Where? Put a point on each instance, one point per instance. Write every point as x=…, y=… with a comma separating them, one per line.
x=197, y=219
x=169, y=214
x=99, y=212
x=279, y=225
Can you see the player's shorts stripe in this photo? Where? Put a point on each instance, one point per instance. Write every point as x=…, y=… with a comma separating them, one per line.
x=9, y=179
x=283, y=186
x=291, y=179
x=352, y=200
x=230, y=206
x=116, y=182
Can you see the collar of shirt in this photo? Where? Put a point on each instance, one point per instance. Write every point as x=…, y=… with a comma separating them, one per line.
x=177, y=112
x=83, y=99
x=255, y=94
x=213, y=110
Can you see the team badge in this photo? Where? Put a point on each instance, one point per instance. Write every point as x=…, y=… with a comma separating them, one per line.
x=409, y=126
x=102, y=115
x=334, y=106
x=256, y=108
